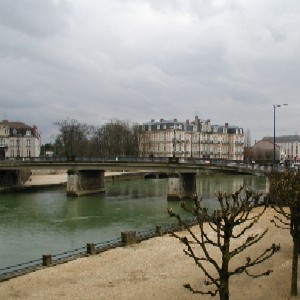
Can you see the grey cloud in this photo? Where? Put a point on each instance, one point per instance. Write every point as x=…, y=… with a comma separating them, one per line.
x=33, y=17
x=137, y=60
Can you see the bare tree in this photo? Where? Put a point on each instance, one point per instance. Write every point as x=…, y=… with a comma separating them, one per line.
x=248, y=154
x=234, y=212
x=285, y=194
x=96, y=142
x=146, y=144
x=115, y=138
x=73, y=137
x=119, y=138
x=248, y=138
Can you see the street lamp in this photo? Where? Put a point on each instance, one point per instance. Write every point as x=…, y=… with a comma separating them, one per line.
x=274, y=107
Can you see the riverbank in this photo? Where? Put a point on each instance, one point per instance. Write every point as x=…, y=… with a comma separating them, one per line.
x=50, y=179
x=155, y=269
x=60, y=178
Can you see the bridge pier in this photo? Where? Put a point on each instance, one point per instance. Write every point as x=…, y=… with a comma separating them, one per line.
x=181, y=186
x=85, y=182
x=13, y=178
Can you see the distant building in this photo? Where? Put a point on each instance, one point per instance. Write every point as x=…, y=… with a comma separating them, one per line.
x=19, y=140
x=199, y=139
x=263, y=150
x=49, y=153
x=289, y=147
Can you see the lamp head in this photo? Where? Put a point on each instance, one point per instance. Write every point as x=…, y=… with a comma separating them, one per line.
x=279, y=105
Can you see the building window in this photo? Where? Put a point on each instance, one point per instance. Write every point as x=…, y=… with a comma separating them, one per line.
x=12, y=153
x=12, y=143
x=28, y=132
x=28, y=143
x=158, y=127
x=28, y=153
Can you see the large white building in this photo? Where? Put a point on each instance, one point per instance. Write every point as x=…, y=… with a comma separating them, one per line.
x=19, y=140
x=198, y=139
x=289, y=147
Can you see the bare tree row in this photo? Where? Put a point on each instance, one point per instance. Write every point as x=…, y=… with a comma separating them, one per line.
x=115, y=138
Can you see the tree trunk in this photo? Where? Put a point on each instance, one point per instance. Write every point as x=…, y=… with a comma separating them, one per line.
x=294, y=288
x=224, y=289
x=224, y=275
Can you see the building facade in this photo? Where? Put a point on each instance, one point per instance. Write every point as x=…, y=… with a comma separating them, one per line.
x=263, y=150
x=198, y=139
x=19, y=140
x=289, y=147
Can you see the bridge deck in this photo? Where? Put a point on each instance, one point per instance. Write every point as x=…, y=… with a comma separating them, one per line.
x=120, y=165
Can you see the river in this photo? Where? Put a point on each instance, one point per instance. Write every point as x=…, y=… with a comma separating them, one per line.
x=49, y=222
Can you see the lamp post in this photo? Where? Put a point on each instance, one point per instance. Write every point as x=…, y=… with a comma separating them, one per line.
x=274, y=152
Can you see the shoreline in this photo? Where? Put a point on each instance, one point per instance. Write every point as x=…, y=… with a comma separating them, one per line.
x=156, y=269
x=47, y=180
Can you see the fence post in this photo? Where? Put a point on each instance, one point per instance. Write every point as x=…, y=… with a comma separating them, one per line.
x=159, y=230
x=128, y=237
x=90, y=248
x=47, y=260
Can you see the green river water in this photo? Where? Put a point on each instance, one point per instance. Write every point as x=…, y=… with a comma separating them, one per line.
x=49, y=222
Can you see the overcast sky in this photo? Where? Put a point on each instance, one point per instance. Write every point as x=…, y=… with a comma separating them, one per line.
x=137, y=60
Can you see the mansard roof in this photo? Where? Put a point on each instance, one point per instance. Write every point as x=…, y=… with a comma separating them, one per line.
x=284, y=138
x=20, y=128
x=16, y=125
x=188, y=125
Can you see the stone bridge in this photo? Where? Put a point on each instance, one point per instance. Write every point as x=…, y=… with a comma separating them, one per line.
x=86, y=175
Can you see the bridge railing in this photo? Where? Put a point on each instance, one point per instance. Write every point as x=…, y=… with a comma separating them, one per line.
x=86, y=159
x=129, y=159
x=190, y=160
